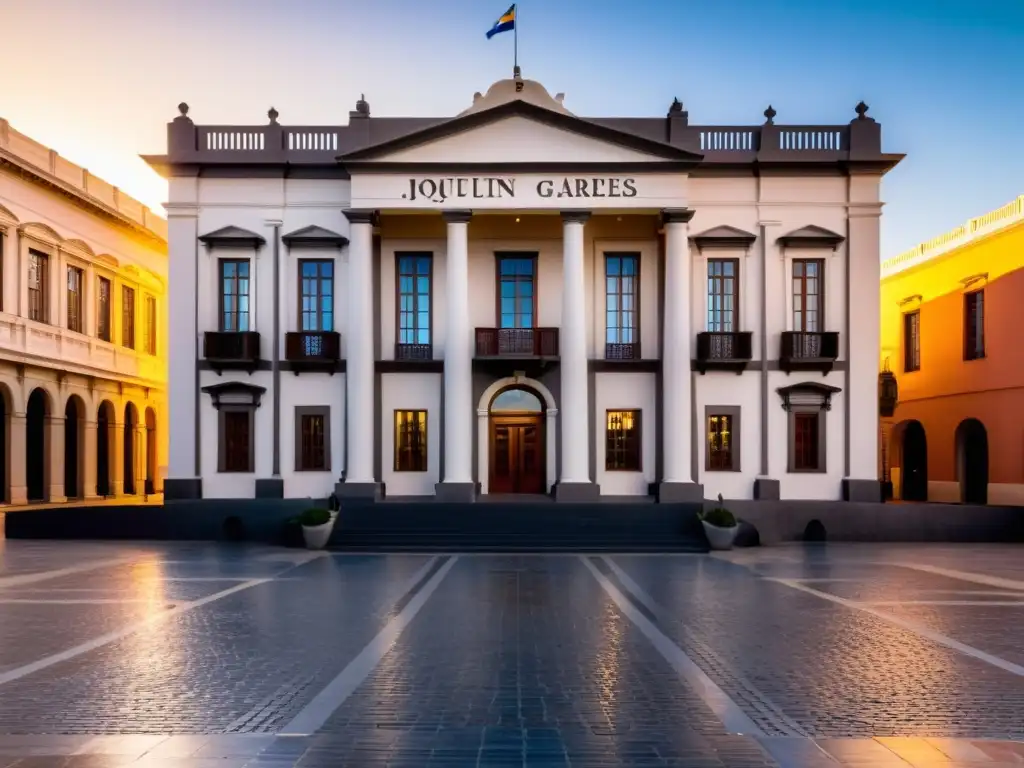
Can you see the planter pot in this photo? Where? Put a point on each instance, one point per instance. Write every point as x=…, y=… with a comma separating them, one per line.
x=720, y=538
x=316, y=536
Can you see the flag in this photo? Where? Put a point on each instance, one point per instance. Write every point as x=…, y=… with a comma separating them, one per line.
x=506, y=23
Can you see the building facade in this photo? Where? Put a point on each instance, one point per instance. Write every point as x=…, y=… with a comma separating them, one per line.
x=83, y=332
x=950, y=309
x=519, y=300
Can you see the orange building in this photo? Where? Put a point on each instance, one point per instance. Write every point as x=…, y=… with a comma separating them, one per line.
x=953, y=334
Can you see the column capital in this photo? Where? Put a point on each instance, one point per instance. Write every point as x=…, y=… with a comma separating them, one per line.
x=575, y=217
x=457, y=217
x=677, y=215
x=360, y=216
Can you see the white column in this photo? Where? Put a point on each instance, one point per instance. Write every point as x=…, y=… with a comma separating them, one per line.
x=676, y=426
x=573, y=353
x=12, y=261
x=458, y=358
x=359, y=351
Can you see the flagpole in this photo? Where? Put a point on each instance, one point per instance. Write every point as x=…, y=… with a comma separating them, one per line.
x=515, y=48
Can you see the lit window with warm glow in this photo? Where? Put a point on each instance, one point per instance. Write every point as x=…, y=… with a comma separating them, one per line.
x=622, y=441
x=720, y=434
x=410, y=441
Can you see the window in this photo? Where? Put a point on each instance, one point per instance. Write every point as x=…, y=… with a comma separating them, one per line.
x=103, y=309
x=723, y=434
x=622, y=286
x=75, y=315
x=316, y=295
x=127, y=317
x=3, y=237
x=410, y=441
x=516, y=291
x=622, y=441
x=38, y=301
x=312, y=438
x=150, y=325
x=808, y=295
x=805, y=441
x=723, y=289
x=807, y=404
x=237, y=443
x=234, y=295
x=912, y=341
x=414, y=278
x=974, y=325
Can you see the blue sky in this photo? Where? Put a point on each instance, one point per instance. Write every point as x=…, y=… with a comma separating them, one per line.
x=944, y=77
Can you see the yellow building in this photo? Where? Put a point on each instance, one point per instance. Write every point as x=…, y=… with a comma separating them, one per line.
x=952, y=327
x=83, y=332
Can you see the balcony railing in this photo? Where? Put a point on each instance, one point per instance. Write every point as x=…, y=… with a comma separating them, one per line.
x=417, y=352
x=517, y=342
x=622, y=351
x=809, y=350
x=312, y=350
x=231, y=349
x=724, y=350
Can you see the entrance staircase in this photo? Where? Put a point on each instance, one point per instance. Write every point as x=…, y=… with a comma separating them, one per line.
x=531, y=526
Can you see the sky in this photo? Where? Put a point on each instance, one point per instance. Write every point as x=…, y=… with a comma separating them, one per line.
x=99, y=80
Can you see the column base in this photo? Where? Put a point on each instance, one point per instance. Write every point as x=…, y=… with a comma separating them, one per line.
x=269, y=488
x=19, y=494
x=353, y=490
x=680, y=493
x=862, y=490
x=454, y=492
x=182, y=488
x=766, y=489
x=577, y=492
x=56, y=498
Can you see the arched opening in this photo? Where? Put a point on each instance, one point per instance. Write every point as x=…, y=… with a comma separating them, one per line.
x=36, y=466
x=74, y=412
x=151, y=457
x=104, y=443
x=914, y=476
x=131, y=419
x=5, y=448
x=517, y=445
x=972, y=461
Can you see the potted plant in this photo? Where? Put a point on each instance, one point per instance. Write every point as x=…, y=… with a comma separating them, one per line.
x=317, y=525
x=720, y=526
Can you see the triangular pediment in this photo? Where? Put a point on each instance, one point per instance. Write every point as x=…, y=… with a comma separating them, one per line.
x=724, y=237
x=811, y=236
x=232, y=237
x=314, y=237
x=520, y=132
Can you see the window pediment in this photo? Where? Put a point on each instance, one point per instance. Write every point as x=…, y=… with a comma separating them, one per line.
x=811, y=394
x=235, y=393
x=811, y=236
x=724, y=237
x=232, y=237
x=314, y=237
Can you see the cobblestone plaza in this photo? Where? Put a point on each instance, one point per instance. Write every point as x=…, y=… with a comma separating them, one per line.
x=196, y=655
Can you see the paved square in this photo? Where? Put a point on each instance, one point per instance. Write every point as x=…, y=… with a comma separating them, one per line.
x=116, y=654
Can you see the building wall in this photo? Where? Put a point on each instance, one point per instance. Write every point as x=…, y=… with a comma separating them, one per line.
x=987, y=254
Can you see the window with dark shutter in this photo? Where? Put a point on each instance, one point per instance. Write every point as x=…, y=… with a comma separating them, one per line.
x=912, y=341
x=974, y=325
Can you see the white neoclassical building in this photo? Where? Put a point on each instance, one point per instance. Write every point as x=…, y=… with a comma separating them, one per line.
x=83, y=332
x=520, y=300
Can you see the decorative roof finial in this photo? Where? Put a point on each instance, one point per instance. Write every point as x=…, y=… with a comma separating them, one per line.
x=272, y=114
x=362, y=106
x=183, y=108
x=769, y=115
x=862, y=111
x=677, y=106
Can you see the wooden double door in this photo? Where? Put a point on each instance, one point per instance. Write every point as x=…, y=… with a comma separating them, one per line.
x=517, y=454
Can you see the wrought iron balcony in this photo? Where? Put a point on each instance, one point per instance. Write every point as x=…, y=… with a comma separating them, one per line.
x=312, y=350
x=517, y=342
x=888, y=393
x=724, y=350
x=622, y=351
x=232, y=349
x=416, y=352
x=809, y=351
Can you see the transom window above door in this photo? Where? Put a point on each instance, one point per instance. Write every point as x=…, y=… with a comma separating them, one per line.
x=517, y=290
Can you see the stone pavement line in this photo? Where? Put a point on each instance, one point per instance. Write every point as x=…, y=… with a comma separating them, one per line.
x=312, y=717
x=767, y=707
x=977, y=578
x=733, y=718
x=117, y=634
x=912, y=626
x=998, y=603
x=85, y=601
x=31, y=578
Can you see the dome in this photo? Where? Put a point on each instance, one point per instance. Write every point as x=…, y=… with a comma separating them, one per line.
x=516, y=89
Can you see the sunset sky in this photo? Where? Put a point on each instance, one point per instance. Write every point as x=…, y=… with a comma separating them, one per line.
x=98, y=80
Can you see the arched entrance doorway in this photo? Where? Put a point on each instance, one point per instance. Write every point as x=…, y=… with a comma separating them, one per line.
x=972, y=461
x=517, y=445
x=151, y=457
x=131, y=419
x=914, y=477
x=36, y=412
x=104, y=424
x=74, y=412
